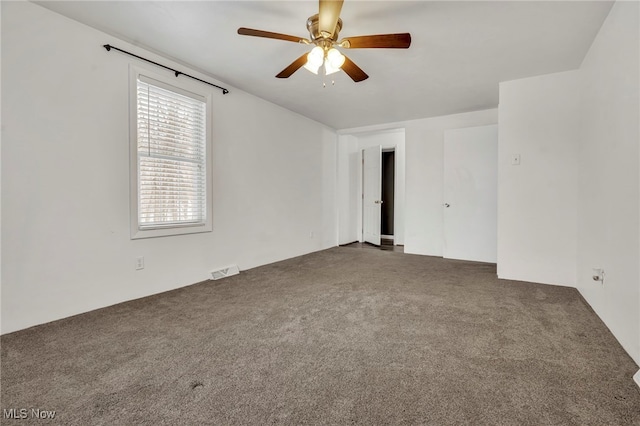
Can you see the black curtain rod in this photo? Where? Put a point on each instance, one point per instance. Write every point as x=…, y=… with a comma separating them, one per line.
x=176, y=72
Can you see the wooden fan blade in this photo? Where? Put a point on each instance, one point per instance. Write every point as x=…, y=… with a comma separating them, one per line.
x=295, y=66
x=328, y=16
x=268, y=34
x=384, y=41
x=353, y=70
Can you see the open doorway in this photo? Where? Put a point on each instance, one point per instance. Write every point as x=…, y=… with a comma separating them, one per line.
x=353, y=210
x=378, y=195
x=388, y=197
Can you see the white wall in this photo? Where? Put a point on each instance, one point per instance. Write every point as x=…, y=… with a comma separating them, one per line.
x=347, y=189
x=537, y=200
x=0, y=174
x=424, y=167
x=608, y=196
x=65, y=170
x=573, y=204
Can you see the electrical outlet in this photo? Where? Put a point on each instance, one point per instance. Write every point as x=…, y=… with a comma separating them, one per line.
x=140, y=263
x=310, y=234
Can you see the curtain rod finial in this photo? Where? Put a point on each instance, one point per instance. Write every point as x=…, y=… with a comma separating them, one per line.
x=108, y=47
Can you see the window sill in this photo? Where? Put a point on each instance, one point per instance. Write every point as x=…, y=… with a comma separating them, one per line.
x=137, y=234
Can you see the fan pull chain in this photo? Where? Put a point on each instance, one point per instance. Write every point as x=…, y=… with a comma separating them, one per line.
x=324, y=82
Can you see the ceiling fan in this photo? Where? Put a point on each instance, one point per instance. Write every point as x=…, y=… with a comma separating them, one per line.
x=324, y=28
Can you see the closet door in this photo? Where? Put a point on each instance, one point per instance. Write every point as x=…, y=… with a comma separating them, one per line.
x=471, y=194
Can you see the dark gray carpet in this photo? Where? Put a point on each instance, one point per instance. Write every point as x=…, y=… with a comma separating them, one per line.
x=341, y=336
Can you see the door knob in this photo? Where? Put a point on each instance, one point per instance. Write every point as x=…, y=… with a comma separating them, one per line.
x=378, y=201
x=446, y=205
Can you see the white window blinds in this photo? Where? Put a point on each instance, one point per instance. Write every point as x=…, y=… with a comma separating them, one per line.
x=171, y=156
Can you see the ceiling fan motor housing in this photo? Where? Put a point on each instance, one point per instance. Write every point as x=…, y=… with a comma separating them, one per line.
x=317, y=36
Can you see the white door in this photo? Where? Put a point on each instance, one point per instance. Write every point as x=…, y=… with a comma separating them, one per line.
x=471, y=194
x=371, y=194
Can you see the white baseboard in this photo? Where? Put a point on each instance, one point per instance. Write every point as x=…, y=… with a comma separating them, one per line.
x=636, y=377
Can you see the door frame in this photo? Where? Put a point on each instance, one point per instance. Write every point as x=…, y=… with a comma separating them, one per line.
x=395, y=188
x=398, y=198
x=349, y=180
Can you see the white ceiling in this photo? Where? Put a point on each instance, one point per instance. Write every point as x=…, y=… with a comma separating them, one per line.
x=460, y=51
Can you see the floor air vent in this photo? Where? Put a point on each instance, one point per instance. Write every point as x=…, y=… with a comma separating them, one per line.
x=225, y=272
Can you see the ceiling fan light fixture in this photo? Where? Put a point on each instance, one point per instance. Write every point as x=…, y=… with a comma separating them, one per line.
x=334, y=58
x=334, y=61
x=328, y=69
x=315, y=59
x=311, y=68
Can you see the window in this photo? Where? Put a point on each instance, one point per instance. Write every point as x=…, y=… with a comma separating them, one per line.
x=170, y=151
